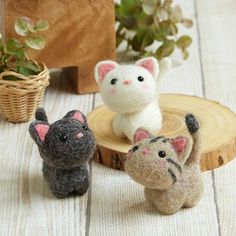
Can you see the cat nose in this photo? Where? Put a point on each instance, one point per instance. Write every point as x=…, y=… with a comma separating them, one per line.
x=79, y=135
x=127, y=82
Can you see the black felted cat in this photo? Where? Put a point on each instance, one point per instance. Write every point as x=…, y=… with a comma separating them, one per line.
x=66, y=147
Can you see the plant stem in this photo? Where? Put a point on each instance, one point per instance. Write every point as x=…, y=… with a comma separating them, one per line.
x=126, y=50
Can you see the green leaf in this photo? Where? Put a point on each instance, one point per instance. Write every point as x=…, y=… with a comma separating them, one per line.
x=12, y=45
x=187, y=23
x=185, y=54
x=167, y=3
x=21, y=26
x=142, y=39
x=128, y=7
x=128, y=22
x=119, y=40
x=35, y=42
x=164, y=30
x=20, y=54
x=41, y=25
x=162, y=14
x=137, y=40
x=29, y=66
x=149, y=6
x=173, y=29
x=25, y=71
x=29, y=24
x=177, y=14
x=165, y=49
x=148, y=54
x=183, y=42
x=31, y=27
x=143, y=20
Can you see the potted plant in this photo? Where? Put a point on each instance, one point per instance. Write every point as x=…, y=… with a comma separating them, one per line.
x=22, y=81
x=142, y=24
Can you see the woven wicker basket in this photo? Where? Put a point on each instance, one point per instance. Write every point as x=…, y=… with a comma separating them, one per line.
x=19, y=99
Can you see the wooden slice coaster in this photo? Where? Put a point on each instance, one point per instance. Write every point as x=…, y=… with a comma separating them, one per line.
x=218, y=127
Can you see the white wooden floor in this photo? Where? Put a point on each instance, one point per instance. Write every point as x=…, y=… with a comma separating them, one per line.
x=115, y=205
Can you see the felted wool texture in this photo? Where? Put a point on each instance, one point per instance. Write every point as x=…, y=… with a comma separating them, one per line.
x=168, y=168
x=66, y=148
x=132, y=92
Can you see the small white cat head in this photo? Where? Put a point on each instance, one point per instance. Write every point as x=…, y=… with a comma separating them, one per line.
x=127, y=88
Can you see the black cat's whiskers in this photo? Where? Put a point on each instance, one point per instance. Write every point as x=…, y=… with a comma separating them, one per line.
x=173, y=176
x=175, y=164
x=153, y=140
x=165, y=140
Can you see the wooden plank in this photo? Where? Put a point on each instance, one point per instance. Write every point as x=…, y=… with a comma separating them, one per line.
x=117, y=202
x=27, y=207
x=218, y=51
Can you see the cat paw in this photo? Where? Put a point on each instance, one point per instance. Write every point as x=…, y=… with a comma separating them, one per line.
x=81, y=191
x=60, y=194
x=165, y=64
x=168, y=210
x=190, y=204
x=116, y=127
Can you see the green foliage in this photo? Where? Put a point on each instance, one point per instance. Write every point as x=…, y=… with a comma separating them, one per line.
x=13, y=52
x=142, y=22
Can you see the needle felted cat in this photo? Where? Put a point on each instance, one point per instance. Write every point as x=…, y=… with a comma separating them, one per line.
x=132, y=92
x=168, y=168
x=66, y=147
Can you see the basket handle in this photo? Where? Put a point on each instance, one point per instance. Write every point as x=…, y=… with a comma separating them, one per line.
x=11, y=73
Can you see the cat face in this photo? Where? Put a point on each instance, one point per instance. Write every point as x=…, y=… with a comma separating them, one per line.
x=157, y=162
x=66, y=143
x=127, y=88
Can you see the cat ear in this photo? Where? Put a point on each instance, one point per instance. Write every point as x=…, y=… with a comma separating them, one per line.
x=41, y=115
x=140, y=134
x=182, y=146
x=151, y=64
x=102, y=68
x=38, y=131
x=76, y=115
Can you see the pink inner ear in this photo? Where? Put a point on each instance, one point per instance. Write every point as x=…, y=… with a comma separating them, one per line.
x=140, y=134
x=42, y=131
x=104, y=69
x=179, y=144
x=147, y=64
x=78, y=116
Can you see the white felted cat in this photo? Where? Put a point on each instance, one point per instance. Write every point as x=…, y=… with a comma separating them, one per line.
x=132, y=92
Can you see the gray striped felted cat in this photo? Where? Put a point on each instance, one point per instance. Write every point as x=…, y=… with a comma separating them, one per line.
x=168, y=168
x=66, y=147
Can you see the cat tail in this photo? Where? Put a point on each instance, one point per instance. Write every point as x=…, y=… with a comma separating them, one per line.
x=41, y=115
x=194, y=130
x=164, y=67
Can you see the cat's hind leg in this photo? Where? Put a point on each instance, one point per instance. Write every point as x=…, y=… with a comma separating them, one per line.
x=147, y=194
x=83, y=186
x=193, y=201
x=165, y=203
x=196, y=193
x=81, y=177
x=168, y=208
